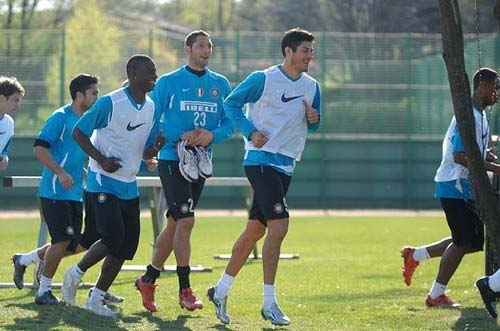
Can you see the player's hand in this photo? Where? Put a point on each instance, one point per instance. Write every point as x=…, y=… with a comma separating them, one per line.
x=258, y=138
x=189, y=135
x=66, y=180
x=159, y=141
x=490, y=155
x=312, y=114
x=111, y=164
x=203, y=138
x=151, y=164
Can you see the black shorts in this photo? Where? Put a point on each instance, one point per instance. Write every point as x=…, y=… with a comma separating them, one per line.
x=269, y=193
x=465, y=225
x=64, y=220
x=182, y=196
x=118, y=221
x=90, y=234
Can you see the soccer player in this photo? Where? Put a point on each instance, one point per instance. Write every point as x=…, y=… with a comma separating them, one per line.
x=60, y=189
x=124, y=131
x=191, y=101
x=453, y=188
x=11, y=93
x=283, y=106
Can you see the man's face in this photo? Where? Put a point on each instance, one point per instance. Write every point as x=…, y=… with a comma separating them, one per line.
x=491, y=91
x=301, y=58
x=9, y=105
x=90, y=96
x=199, y=53
x=146, y=75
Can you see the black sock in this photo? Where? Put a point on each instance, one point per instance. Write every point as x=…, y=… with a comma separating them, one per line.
x=151, y=275
x=183, y=274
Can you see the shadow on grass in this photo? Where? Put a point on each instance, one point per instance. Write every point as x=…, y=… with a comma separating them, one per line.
x=475, y=319
x=50, y=317
x=177, y=324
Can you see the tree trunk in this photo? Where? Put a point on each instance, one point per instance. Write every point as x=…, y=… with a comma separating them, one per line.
x=453, y=54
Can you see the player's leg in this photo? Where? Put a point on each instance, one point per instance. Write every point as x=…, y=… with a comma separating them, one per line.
x=468, y=237
x=122, y=240
x=64, y=221
x=21, y=261
x=412, y=256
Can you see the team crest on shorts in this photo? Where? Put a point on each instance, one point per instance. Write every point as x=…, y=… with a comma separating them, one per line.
x=278, y=208
x=184, y=208
x=214, y=92
x=101, y=197
x=70, y=231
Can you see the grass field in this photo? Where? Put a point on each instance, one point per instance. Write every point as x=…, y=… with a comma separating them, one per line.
x=347, y=278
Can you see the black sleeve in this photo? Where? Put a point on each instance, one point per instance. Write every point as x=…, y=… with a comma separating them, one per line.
x=40, y=142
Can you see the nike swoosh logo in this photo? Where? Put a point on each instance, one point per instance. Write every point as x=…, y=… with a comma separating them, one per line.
x=133, y=127
x=285, y=99
x=185, y=89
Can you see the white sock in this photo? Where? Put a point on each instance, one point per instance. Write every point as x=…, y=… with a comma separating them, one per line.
x=269, y=293
x=29, y=258
x=45, y=285
x=494, y=281
x=421, y=254
x=224, y=285
x=97, y=295
x=437, y=290
x=76, y=272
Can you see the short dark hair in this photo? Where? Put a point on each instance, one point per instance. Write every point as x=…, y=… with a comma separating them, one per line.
x=293, y=38
x=81, y=83
x=135, y=60
x=484, y=74
x=191, y=37
x=10, y=85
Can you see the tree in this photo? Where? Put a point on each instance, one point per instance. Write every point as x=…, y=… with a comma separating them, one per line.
x=453, y=54
x=92, y=45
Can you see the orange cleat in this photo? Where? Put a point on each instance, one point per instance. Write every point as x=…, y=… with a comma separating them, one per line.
x=409, y=263
x=188, y=300
x=442, y=301
x=148, y=294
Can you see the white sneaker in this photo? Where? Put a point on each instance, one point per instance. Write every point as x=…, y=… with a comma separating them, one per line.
x=69, y=287
x=187, y=162
x=220, y=305
x=98, y=307
x=205, y=167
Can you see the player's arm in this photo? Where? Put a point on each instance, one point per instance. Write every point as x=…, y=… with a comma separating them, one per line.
x=161, y=96
x=4, y=158
x=313, y=112
x=248, y=91
x=225, y=130
x=96, y=117
x=460, y=157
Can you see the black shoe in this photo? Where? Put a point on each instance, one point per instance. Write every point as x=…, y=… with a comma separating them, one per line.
x=489, y=297
x=19, y=271
x=47, y=298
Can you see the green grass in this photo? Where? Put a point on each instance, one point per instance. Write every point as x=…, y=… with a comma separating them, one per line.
x=347, y=278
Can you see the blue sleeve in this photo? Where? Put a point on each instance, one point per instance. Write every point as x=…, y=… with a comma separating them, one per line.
x=152, y=134
x=6, y=148
x=143, y=167
x=97, y=117
x=161, y=96
x=456, y=142
x=226, y=128
x=249, y=91
x=52, y=129
x=316, y=105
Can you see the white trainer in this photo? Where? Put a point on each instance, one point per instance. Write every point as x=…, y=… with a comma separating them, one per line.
x=205, y=167
x=220, y=305
x=98, y=307
x=69, y=288
x=187, y=162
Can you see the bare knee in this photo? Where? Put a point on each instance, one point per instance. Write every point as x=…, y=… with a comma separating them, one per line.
x=277, y=229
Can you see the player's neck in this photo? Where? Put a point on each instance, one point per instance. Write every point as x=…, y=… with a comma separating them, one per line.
x=195, y=68
x=77, y=108
x=477, y=102
x=291, y=70
x=136, y=93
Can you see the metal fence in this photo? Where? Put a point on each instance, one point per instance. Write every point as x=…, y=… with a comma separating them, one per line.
x=390, y=84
